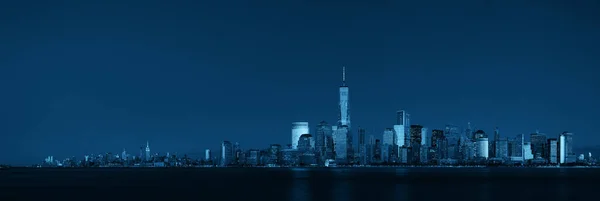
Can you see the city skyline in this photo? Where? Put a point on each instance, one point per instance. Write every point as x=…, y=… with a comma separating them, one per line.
x=402, y=135
x=90, y=78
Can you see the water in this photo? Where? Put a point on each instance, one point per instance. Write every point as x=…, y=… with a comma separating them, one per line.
x=298, y=184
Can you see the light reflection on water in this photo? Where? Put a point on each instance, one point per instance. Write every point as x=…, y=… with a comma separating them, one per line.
x=341, y=191
x=300, y=191
x=403, y=184
x=401, y=192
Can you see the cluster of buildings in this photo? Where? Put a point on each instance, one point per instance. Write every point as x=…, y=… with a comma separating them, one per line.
x=403, y=144
x=333, y=144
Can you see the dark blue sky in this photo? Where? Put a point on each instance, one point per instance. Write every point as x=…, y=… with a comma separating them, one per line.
x=92, y=77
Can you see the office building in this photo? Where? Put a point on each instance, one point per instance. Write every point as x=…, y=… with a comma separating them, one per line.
x=538, y=145
x=344, y=105
x=341, y=144
x=553, y=148
x=438, y=145
x=322, y=132
x=207, y=155
x=482, y=148
x=362, y=146
x=502, y=150
x=388, y=145
x=227, y=153
x=298, y=129
x=402, y=128
x=415, y=142
x=527, y=153
x=425, y=138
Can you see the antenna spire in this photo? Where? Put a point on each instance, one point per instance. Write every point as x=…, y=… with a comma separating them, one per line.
x=344, y=75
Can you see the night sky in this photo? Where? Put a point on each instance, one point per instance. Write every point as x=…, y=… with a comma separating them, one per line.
x=89, y=77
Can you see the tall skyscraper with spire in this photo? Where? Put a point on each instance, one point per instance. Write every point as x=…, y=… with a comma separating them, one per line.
x=344, y=115
x=147, y=151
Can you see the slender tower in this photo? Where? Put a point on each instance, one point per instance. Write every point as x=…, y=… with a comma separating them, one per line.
x=344, y=116
x=147, y=151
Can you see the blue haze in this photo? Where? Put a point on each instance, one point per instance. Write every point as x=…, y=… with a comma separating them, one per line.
x=85, y=77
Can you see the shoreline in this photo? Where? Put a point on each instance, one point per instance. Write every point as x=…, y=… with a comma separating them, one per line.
x=337, y=167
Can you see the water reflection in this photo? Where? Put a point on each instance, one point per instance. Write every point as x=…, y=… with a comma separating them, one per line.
x=484, y=192
x=401, y=192
x=400, y=172
x=300, y=173
x=300, y=190
x=341, y=191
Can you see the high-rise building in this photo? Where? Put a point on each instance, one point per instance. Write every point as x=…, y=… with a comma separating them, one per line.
x=298, y=129
x=527, y=154
x=553, y=151
x=538, y=145
x=425, y=138
x=341, y=145
x=388, y=145
x=370, y=150
x=305, y=150
x=451, y=132
x=415, y=142
x=493, y=143
x=400, y=135
x=469, y=132
x=124, y=155
x=482, y=148
x=516, y=148
x=227, y=153
x=502, y=148
x=571, y=157
x=323, y=130
x=402, y=127
x=377, y=151
x=344, y=106
x=362, y=146
x=305, y=143
x=148, y=156
x=565, y=153
x=274, y=154
x=437, y=145
x=207, y=155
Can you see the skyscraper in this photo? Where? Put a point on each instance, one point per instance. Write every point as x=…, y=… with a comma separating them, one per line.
x=344, y=107
x=341, y=138
x=305, y=143
x=516, y=148
x=571, y=157
x=565, y=149
x=437, y=145
x=494, y=143
x=538, y=145
x=388, y=145
x=226, y=153
x=502, y=148
x=415, y=142
x=400, y=135
x=207, y=155
x=362, y=152
x=370, y=150
x=298, y=129
x=469, y=132
x=323, y=131
x=553, y=150
x=147, y=151
x=452, y=135
x=425, y=138
x=482, y=148
x=403, y=122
